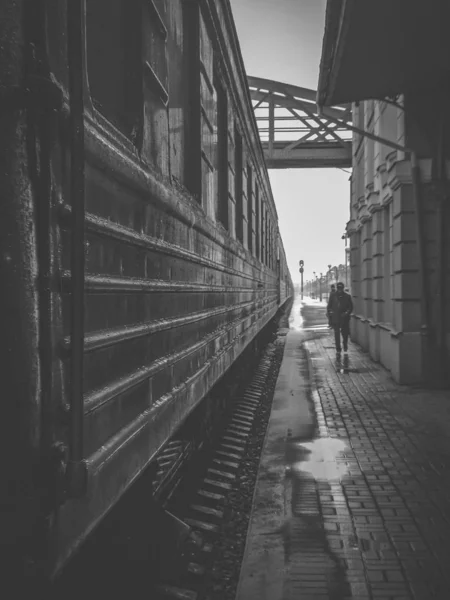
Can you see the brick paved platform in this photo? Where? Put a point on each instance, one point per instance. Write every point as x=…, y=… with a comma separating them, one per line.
x=353, y=492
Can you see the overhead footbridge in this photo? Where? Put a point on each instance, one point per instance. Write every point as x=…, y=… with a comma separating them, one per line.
x=293, y=133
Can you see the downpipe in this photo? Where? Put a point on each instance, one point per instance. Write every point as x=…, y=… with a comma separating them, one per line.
x=424, y=308
x=76, y=468
x=442, y=198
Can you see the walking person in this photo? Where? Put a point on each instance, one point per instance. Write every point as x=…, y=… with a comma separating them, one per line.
x=332, y=291
x=339, y=309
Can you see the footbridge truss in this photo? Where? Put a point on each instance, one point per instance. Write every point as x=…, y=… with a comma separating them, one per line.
x=293, y=133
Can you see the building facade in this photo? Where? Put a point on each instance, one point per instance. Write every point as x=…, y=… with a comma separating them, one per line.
x=383, y=248
x=399, y=218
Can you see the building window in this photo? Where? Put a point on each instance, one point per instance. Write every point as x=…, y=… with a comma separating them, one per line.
x=114, y=62
x=238, y=166
x=249, y=208
x=222, y=154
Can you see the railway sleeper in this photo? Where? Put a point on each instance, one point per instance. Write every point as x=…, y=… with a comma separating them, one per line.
x=236, y=449
x=223, y=474
x=217, y=484
x=170, y=592
x=235, y=440
x=230, y=454
x=226, y=463
x=207, y=510
x=203, y=525
x=211, y=495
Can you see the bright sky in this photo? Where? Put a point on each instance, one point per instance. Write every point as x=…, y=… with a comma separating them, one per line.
x=282, y=40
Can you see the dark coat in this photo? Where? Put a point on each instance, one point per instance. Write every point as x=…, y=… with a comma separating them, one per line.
x=339, y=308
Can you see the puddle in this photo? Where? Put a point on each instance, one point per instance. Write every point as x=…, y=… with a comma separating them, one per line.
x=319, y=458
x=343, y=365
x=312, y=464
x=317, y=328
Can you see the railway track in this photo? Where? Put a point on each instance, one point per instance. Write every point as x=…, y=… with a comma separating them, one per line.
x=204, y=501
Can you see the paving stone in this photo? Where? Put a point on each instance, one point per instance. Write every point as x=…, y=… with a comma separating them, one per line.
x=386, y=520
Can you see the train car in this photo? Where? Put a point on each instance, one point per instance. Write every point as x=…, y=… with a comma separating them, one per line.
x=140, y=249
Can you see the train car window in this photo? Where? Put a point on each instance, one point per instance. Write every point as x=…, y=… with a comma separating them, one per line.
x=114, y=62
x=270, y=246
x=178, y=83
x=222, y=153
x=257, y=222
x=208, y=127
x=154, y=45
x=192, y=122
x=156, y=146
x=263, y=230
x=238, y=166
x=249, y=208
x=266, y=255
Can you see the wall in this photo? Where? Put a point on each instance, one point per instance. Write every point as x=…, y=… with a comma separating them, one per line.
x=384, y=253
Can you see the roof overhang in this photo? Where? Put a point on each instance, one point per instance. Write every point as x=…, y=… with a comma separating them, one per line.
x=382, y=48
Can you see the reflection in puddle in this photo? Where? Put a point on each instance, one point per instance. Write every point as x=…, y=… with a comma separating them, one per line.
x=319, y=458
x=295, y=318
x=315, y=465
x=343, y=366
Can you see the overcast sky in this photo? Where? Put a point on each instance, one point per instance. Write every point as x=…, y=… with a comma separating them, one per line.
x=282, y=40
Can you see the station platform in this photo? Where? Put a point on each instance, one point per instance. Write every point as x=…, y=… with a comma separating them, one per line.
x=353, y=492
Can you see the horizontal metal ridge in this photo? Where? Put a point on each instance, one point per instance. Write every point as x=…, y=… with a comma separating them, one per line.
x=123, y=437
x=98, y=397
x=104, y=227
x=104, y=150
x=107, y=284
x=109, y=337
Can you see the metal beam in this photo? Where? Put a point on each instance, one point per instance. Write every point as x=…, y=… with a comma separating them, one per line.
x=310, y=157
x=293, y=132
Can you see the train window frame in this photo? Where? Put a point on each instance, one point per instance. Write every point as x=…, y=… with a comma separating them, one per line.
x=263, y=229
x=126, y=120
x=158, y=81
x=238, y=182
x=208, y=116
x=193, y=158
x=222, y=158
x=249, y=207
x=257, y=221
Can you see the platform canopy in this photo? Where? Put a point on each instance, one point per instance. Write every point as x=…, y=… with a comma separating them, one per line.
x=382, y=48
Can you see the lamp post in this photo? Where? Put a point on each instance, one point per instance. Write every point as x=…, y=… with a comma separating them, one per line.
x=315, y=284
x=320, y=287
x=301, y=263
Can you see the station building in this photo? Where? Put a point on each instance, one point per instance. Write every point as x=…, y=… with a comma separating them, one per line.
x=398, y=82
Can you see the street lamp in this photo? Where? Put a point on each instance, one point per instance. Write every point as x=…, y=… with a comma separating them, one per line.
x=302, y=264
x=320, y=287
x=315, y=284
